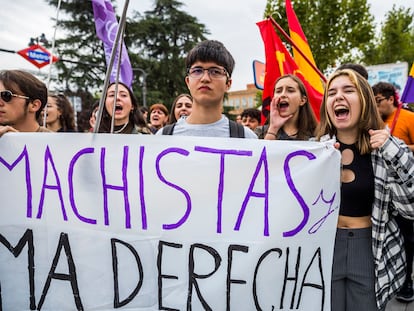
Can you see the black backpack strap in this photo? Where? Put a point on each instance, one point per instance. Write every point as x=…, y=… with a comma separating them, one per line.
x=168, y=129
x=236, y=129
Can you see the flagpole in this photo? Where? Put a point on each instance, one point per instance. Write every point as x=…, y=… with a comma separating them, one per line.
x=297, y=48
x=51, y=59
x=122, y=22
x=118, y=68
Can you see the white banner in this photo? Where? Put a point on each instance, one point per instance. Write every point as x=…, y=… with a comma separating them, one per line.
x=137, y=222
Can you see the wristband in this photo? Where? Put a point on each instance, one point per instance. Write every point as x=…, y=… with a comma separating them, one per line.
x=270, y=133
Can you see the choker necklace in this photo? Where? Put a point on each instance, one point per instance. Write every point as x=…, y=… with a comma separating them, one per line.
x=121, y=129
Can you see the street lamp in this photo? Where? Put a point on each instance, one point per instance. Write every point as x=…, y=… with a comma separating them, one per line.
x=144, y=85
x=41, y=39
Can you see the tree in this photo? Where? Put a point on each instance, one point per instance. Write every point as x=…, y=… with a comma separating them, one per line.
x=162, y=38
x=157, y=43
x=82, y=65
x=396, y=39
x=337, y=31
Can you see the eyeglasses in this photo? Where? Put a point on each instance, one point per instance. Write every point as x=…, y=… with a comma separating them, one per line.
x=7, y=96
x=379, y=100
x=213, y=72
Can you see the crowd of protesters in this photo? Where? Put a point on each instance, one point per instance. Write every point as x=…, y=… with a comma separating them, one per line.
x=375, y=223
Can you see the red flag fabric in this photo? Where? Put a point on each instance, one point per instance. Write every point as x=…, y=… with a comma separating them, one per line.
x=279, y=62
x=298, y=37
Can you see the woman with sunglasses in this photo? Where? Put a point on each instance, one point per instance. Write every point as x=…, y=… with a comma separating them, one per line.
x=59, y=114
x=22, y=98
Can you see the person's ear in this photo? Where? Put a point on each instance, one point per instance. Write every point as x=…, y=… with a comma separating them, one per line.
x=187, y=81
x=228, y=83
x=303, y=100
x=35, y=105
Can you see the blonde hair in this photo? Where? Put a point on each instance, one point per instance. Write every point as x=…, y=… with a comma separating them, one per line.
x=369, y=118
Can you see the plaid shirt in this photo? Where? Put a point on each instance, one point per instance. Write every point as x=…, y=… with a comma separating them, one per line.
x=393, y=166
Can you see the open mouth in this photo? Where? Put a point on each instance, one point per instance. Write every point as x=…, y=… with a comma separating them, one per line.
x=118, y=108
x=341, y=112
x=283, y=105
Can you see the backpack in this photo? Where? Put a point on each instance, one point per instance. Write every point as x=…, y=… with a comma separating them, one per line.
x=236, y=129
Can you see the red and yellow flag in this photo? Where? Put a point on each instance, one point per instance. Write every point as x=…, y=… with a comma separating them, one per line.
x=278, y=63
x=298, y=37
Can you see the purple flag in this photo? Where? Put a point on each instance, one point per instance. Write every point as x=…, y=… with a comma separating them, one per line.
x=106, y=28
x=408, y=93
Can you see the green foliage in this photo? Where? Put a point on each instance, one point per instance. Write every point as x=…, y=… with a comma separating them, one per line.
x=162, y=38
x=157, y=44
x=396, y=40
x=258, y=99
x=336, y=30
x=344, y=31
x=82, y=64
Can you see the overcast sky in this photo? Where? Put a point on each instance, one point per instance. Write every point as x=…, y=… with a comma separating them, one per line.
x=232, y=22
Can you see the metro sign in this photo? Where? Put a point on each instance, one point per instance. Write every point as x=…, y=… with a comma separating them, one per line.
x=37, y=55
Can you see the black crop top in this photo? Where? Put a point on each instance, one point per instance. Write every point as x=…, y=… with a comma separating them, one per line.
x=357, y=187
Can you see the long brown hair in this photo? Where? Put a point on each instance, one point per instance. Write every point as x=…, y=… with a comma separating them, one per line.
x=67, y=114
x=135, y=116
x=307, y=122
x=172, y=119
x=369, y=118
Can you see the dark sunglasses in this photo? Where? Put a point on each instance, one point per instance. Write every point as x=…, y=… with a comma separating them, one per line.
x=8, y=95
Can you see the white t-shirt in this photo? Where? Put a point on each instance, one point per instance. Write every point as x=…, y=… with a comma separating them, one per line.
x=217, y=129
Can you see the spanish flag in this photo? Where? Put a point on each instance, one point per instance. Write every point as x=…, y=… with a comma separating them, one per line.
x=278, y=63
x=408, y=93
x=298, y=37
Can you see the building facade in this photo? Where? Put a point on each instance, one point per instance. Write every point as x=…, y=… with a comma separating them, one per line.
x=237, y=101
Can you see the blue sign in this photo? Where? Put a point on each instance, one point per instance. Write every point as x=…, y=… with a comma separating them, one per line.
x=38, y=55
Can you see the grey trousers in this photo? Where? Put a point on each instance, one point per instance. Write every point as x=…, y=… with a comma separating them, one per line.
x=353, y=277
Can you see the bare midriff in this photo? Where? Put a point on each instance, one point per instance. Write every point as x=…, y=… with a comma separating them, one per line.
x=347, y=222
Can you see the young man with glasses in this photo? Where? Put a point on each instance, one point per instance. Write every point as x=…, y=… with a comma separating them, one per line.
x=402, y=127
x=22, y=98
x=209, y=67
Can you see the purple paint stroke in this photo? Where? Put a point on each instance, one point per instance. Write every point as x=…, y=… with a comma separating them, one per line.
x=141, y=188
x=329, y=202
x=220, y=190
x=251, y=193
x=295, y=192
x=58, y=187
x=10, y=167
x=123, y=188
x=185, y=193
x=106, y=26
x=70, y=183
